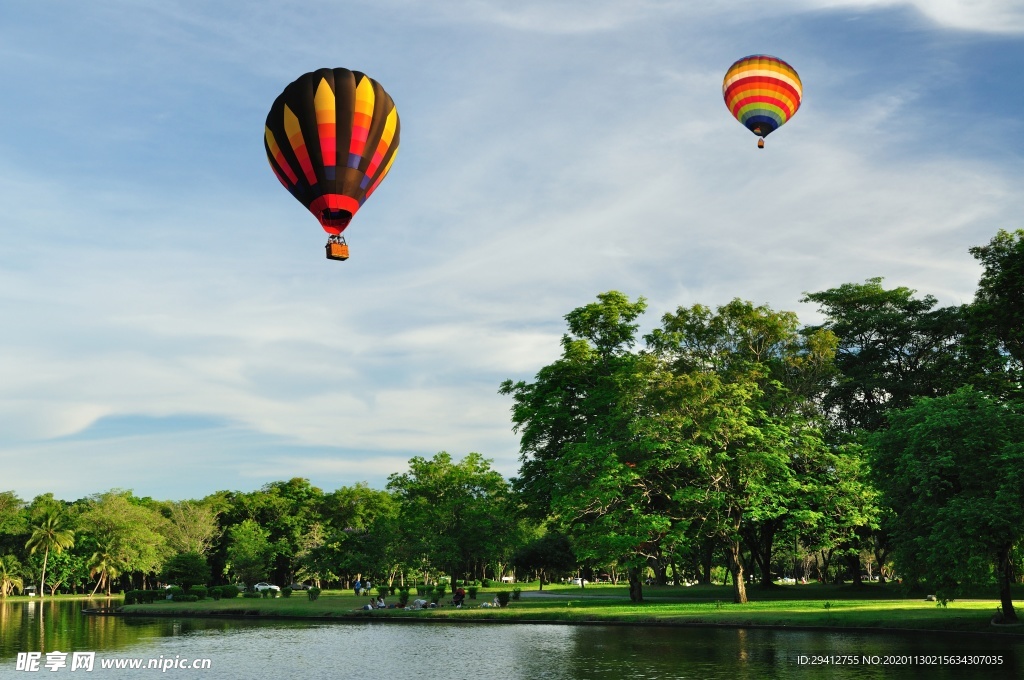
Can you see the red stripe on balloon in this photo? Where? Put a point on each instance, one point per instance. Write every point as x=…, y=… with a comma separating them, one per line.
x=761, y=82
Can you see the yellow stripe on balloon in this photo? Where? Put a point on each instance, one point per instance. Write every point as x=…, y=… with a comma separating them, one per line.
x=323, y=102
x=275, y=152
x=298, y=144
x=383, y=173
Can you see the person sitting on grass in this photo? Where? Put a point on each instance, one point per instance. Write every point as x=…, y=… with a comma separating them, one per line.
x=380, y=603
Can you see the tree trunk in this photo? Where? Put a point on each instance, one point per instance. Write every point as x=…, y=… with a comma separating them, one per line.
x=761, y=542
x=881, y=554
x=707, y=559
x=42, y=579
x=636, y=591
x=1005, y=573
x=735, y=560
x=826, y=559
x=853, y=562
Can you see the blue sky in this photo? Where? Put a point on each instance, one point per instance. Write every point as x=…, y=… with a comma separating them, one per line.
x=171, y=326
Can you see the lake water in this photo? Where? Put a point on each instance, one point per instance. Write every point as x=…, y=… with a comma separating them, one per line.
x=282, y=650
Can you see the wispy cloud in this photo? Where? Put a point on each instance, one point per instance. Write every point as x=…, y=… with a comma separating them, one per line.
x=550, y=152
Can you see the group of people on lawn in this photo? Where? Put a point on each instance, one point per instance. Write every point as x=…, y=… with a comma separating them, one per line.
x=458, y=597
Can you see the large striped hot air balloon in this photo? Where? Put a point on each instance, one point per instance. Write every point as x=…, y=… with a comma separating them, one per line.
x=331, y=138
x=762, y=93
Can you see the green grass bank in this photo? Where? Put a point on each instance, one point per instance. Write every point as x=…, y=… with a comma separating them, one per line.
x=805, y=606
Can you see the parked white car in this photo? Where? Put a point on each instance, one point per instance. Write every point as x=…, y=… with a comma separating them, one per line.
x=260, y=587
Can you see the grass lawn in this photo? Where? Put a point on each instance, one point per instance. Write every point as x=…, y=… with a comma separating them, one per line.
x=816, y=605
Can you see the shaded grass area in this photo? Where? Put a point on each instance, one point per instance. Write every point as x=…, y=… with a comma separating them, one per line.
x=872, y=607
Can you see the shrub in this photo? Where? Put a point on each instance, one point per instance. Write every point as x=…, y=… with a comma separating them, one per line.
x=215, y=592
x=186, y=569
x=486, y=583
x=252, y=595
x=143, y=596
x=199, y=591
x=313, y=593
x=472, y=590
x=503, y=596
x=516, y=592
x=266, y=593
x=440, y=590
x=383, y=591
x=424, y=590
x=228, y=592
x=403, y=597
x=174, y=591
x=286, y=592
x=185, y=598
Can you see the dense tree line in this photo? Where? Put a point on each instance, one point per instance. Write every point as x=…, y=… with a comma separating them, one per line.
x=729, y=443
x=887, y=435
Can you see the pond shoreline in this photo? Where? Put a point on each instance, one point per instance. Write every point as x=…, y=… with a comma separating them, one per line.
x=1015, y=632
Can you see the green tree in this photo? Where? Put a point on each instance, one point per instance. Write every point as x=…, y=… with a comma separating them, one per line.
x=66, y=568
x=129, y=529
x=585, y=456
x=12, y=520
x=10, y=575
x=191, y=527
x=50, y=533
x=894, y=346
x=739, y=410
x=186, y=570
x=952, y=470
x=250, y=551
x=549, y=556
x=999, y=302
x=104, y=568
x=13, y=523
x=286, y=510
x=459, y=515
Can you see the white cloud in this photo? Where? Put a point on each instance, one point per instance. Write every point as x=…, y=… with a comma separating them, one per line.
x=578, y=152
x=987, y=16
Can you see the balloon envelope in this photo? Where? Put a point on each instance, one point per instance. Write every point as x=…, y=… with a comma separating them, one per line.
x=331, y=138
x=762, y=92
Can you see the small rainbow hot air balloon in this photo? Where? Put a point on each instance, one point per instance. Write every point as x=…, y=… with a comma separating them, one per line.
x=762, y=92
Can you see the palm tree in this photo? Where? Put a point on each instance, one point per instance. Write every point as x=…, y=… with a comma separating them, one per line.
x=10, y=575
x=50, y=533
x=103, y=564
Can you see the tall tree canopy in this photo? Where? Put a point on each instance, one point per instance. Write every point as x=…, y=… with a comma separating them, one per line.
x=460, y=515
x=952, y=470
x=1000, y=298
x=893, y=346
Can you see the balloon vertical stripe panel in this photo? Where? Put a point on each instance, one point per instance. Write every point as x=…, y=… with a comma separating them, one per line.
x=362, y=116
x=326, y=125
x=298, y=144
x=342, y=131
x=762, y=92
x=390, y=123
x=383, y=174
x=277, y=160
